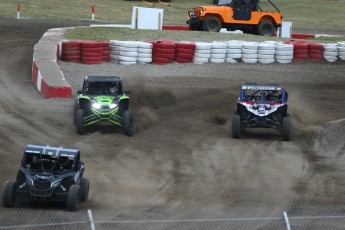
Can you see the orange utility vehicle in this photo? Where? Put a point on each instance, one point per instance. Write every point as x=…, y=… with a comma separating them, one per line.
x=245, y=15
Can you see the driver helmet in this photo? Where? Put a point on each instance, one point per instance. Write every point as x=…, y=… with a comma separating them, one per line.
x=112, y=89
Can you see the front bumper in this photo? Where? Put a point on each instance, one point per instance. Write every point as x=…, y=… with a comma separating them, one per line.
x=107, y=115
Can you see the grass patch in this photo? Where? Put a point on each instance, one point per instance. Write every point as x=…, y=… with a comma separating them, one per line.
x=313, y=14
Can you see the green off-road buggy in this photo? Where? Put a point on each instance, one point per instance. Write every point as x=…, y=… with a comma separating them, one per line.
x=103, y=99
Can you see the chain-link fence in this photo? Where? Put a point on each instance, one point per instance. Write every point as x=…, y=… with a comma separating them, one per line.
x=301, y=216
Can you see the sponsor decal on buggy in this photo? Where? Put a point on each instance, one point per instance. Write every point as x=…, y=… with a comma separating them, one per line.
x=261, y=87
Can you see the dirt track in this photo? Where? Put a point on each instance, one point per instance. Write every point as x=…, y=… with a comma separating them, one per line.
x=182, y=153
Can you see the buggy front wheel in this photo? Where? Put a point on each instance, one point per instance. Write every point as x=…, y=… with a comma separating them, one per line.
x=236, y=126
x=79, y=122
x=286, y=128
x=73, y=198
x=8, y=199
x=128, y=123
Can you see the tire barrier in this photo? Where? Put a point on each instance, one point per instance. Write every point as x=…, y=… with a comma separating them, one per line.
x=106, y=51
x=163, y=52
x=218, y=52
x=330, y=53
x=184, y=52
x=145, y=52
x=266, y=52
x=300, y=52
x=250, y=52
x=315, y=51
x=91, y=52
x=284, y=53
x=71, y=51
x=202, y=53
x=233, y=51
x=341, y=50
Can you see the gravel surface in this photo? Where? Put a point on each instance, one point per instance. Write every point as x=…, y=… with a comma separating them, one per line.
x=182, y=153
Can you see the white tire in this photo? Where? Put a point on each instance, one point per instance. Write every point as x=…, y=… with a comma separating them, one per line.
x=331, y=48
x=129, y=54
x=330, y=53
x=144, y=60
x=284, y=52
x=330, y=58
x=250, y=56
x=266, y=56
x=128, y=49
x=145, y=50
x=250, y=60
x=233, y=56
x=249, y=51
x=266, y=60
x=127, y=59
x=266, y=46
x=218, y=51
x=217, y=60
x=206, y=51
x=231, y=60
x=219, y=45
x=130, y=44
x=284, y=47
x=145, y=45
x=144, y=55
x=202, y=46
x=127, y=62
x=284, y=57
x=250, y=45
x=199, y=61
x=233, y=51
x=267, y=52
x=200, y=55
x=218, y=56
x=284, y=61
x=234, y=45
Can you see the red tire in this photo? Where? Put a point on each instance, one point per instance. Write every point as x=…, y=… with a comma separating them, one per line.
x=70, y=53
x=316, y=56
x=71, y=44
x=70, y=57
x=184, y=55
x=300, y=45
x=183, y=60
x=185, y=45
x=315, y=51
x=164, y=55
x=71, y=48
x=86, y=54
x=161, y=61
x=300, y=51
x=91, y=62
x=185, y=51
x=91, y=44
x=92, y=50
x=163, y=50
x=315, y=46
x=165, y=45
x=300, y=56
x=92, y=59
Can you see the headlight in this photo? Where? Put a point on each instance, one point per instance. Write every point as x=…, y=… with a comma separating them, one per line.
x=55, y=183
x=96, y=105
x=112, y=106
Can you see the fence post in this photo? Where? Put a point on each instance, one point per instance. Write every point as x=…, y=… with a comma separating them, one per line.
x=92, y=224
x=93, y=13
x=286, y=218
x=18, y=11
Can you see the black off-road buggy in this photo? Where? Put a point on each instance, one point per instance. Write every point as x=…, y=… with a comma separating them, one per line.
x=102, y=98
x=262, y=106
x=48, y=173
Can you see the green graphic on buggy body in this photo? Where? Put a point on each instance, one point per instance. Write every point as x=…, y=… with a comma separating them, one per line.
x=104, y=108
